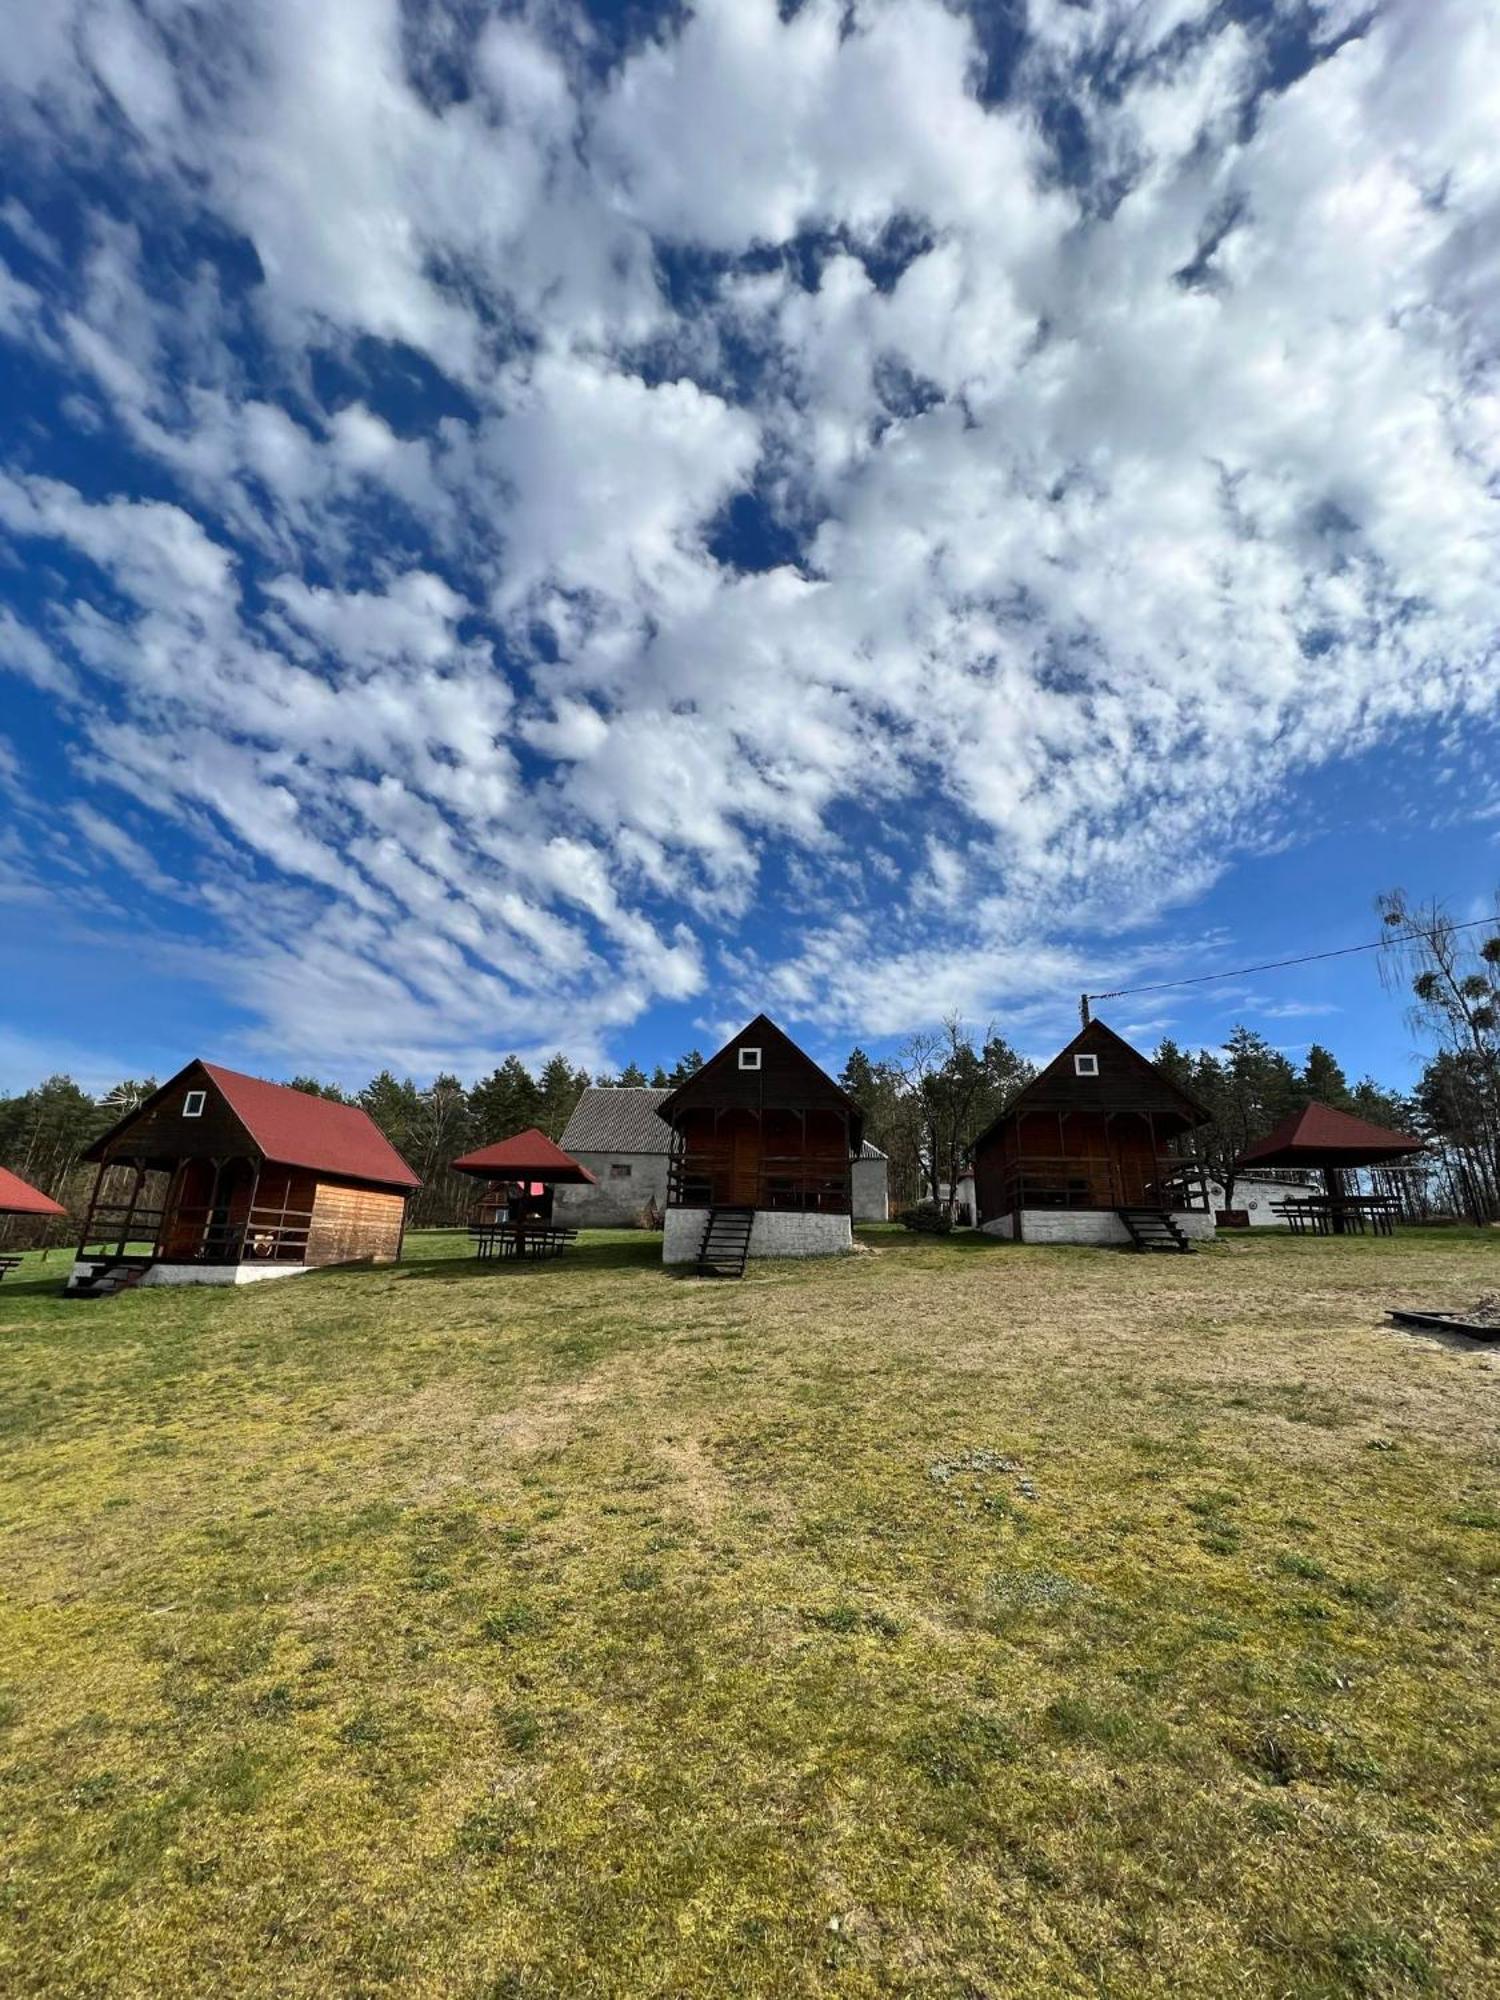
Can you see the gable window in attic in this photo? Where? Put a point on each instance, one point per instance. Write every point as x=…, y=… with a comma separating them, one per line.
x=1086, y=1065
x=193, y=1103
x=749, y=1058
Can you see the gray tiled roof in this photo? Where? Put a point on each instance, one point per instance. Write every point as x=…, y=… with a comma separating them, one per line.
x=617, y=1121
x=869, y=1152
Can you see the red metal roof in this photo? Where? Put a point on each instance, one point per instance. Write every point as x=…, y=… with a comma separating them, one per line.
x=18, y=1197
x=1320, y=1136
x=294, y=1129
x=529, y=1156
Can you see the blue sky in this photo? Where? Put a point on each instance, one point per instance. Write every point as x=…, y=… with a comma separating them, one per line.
x=535, y=526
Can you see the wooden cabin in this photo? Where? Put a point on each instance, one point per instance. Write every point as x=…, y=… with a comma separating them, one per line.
x=1096, y=1149
x=763, y=1145
x=219, y=1178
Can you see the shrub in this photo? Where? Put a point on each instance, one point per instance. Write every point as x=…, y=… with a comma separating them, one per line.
x=928, y=1218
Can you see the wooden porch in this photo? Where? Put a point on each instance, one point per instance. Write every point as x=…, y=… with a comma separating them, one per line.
x=795, y=1161
x=200, y=1212
x=1092, y=1159
x=1037, y=1180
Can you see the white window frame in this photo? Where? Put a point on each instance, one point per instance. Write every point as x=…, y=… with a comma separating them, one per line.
x=1085, y=1064
x=749, y=1058
x=193, y=1103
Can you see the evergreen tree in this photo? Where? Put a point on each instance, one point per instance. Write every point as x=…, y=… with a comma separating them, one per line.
x=42, y=1133
x=858, y=1078
x=559, y=1088
x=632, y=1077
x=395, y=1107
x=1246, y=1090
x=1322, y=1080
x=686, y=1066
x=505, y=1102
x=311, y=1087
x=1176, y=1065
x=659, y=1079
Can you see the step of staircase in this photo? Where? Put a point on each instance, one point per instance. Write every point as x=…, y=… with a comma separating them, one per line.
x=1154, y=1229
x=726, y=1243
x=110, y=1275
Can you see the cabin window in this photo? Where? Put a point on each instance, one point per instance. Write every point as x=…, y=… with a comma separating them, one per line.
x=193, y=1103
x=1086, y=1065
x=619, y=1170
x=749, y=1058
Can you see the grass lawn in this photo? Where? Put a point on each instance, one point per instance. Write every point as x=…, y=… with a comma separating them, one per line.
x=954, y=1620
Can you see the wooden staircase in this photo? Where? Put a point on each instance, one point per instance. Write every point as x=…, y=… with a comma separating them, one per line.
x=1154, y=1229
x=108, y=1275
x=726, y=1243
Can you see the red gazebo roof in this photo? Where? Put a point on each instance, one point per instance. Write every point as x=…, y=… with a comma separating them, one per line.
x=1319, y=1136
x=529, y=1156
x=18, y=1197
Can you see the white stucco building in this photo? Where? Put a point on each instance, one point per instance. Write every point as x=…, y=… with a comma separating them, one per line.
x=616, y=1134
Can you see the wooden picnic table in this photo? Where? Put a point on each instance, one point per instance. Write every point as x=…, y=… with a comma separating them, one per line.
x=498, y=1240
x=1340, y=1215
x=8, y=1263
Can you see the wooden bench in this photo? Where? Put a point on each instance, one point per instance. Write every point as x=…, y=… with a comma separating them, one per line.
x=8, y=1264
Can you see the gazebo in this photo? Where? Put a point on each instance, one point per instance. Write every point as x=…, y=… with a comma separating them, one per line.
x=18, y=1197
x=1334, y=1143
x=513, y=1215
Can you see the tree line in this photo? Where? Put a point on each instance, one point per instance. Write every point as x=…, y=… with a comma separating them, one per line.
x=925, y=1105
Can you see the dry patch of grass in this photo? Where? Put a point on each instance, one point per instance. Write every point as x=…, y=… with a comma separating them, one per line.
x=958, y=1621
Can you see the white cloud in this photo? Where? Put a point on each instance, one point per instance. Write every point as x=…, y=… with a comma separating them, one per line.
x=1123, y=489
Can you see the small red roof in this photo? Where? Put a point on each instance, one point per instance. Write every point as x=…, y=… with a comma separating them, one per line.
x=295, y=1129
x=529, y=1156
x=18, y=1197
x=1318, y=1135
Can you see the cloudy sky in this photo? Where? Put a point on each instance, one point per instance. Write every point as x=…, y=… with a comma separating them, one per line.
x=535, y=525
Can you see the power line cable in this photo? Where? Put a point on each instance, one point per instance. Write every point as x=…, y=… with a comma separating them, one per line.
x=1276, y=964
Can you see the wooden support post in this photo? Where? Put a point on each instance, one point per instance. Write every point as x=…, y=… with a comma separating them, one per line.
x=250, y=1214
x=204, y=1251
x=130, y=1208
x=88, y=1220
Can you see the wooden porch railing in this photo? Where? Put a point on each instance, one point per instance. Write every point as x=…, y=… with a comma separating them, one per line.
x=271, y=1233
x=1055, y=1181
x=780, y=1184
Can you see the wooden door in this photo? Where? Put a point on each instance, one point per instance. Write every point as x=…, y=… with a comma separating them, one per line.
x=744, y=1164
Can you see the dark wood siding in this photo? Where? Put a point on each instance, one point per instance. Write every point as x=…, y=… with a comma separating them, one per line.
x=1126, y=1081
x=1101, y=1140
x=778, y=1136
x=787, y=1079
x=160, y=1133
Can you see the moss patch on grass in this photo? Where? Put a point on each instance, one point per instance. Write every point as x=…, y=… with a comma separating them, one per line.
x=967, y=1620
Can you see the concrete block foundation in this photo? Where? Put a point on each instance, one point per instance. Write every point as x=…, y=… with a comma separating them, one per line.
x=1100, y=1226
x=774, y=1233
x=201, y=1274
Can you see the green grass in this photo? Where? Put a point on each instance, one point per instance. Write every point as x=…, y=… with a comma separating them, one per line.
x=956, y=1620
